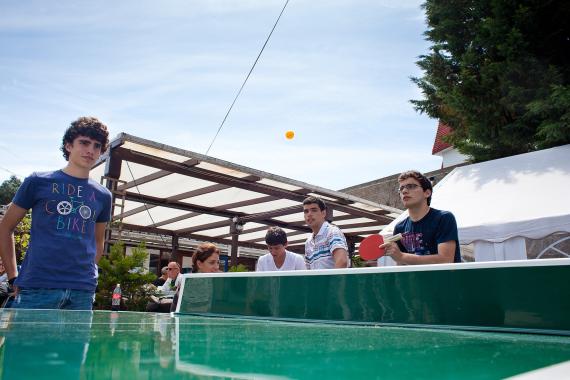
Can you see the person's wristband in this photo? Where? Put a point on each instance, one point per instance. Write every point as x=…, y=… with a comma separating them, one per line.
x=11, y=281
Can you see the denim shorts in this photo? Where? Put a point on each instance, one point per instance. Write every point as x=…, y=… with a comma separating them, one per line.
x=43, y=298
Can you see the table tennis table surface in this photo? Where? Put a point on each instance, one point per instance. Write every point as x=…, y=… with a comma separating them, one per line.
x=53, y=344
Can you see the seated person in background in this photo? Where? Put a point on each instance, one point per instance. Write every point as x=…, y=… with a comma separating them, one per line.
x=206, y=259
x=167, y=291
x=162, y=279
x=326, y=247
x=4, y=286
x=429, y=236
x=278, y=257
x=3, y=274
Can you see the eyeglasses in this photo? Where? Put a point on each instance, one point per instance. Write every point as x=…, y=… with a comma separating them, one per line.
x=171, y=268
x=409, y=186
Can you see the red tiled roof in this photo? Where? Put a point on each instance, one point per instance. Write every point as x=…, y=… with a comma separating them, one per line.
x=439, y=144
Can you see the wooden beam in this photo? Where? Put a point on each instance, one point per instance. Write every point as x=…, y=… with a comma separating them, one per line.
x=242, y=183
x=245, y=231
x=134, y=211
x=248, y=202
x=203, y=227
x=177, y=219
x=197, y=192
x=272, y=214
x=178, y=205
x=159, y=231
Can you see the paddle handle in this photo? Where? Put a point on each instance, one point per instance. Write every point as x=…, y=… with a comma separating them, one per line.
x=392, y=239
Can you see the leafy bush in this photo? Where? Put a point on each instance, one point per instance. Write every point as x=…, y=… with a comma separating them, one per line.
x=22, y=237
x=238, y=268
x=136, y=283
x=357, y=262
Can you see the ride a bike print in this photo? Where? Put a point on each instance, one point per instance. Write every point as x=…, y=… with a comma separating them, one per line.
x=72, y=207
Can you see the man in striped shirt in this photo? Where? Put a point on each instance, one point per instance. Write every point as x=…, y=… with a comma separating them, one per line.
x=326, y=248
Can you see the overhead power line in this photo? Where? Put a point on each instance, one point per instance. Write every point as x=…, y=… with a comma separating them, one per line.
x=225, y=117
x=247, y=77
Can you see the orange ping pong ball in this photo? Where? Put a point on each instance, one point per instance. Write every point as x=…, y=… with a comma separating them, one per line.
x=289, y=135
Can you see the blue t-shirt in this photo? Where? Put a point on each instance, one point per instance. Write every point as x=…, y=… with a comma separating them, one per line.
x=423, y=236
x=62, y=249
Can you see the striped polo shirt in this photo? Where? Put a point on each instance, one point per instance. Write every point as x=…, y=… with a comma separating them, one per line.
x=319, y=248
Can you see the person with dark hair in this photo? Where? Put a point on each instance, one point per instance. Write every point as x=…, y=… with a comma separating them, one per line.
x=86, y=127
x=429, y=236
x=69, y=215
x=162, y=279
x=278, y=258
x=326, y=248
x=206, y=259
x=4, y=287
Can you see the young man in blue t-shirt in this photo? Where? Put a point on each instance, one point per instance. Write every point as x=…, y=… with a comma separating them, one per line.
x=429, y=236
x=69, y=214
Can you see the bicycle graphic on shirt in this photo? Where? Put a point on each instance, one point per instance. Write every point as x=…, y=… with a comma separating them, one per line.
x=74, y=207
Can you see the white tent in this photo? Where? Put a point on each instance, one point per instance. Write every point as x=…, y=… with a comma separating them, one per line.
x=498, y=203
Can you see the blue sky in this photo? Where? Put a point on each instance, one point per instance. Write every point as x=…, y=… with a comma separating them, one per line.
x=336, y=72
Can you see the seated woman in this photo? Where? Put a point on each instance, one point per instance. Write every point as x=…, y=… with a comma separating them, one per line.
x=206, y=259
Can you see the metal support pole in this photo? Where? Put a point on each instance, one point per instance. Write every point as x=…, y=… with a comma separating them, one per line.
x=235, y=229
x=234, y=249
x=175, y=247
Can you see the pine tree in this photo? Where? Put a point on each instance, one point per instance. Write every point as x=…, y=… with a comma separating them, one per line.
x=498, y=74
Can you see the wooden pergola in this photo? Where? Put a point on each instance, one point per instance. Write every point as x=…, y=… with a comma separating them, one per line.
x=175, y=193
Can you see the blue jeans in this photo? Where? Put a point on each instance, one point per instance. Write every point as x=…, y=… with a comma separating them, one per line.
x=41, y=298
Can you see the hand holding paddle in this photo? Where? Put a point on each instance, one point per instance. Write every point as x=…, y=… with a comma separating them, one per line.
x=370, y=247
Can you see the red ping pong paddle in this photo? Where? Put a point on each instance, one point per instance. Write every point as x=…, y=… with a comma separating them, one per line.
x=369, y=248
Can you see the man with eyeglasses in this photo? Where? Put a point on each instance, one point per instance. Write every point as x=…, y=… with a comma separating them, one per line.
x=167, y=290
x=429, y=236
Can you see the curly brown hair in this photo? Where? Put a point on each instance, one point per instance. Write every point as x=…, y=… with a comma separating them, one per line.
x=203, y=252
x=424, y=181
x=85, y=126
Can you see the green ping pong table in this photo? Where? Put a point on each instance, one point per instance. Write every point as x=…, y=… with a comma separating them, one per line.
x=52, y=344
x=460, y=321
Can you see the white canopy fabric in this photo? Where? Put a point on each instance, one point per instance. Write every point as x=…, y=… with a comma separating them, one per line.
x=173, y=199
x=518, y=196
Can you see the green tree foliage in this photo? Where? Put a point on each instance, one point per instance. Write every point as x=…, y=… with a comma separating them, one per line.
x=126, y=270
x=22, y=237
x=498, y=74
x=8, y=189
